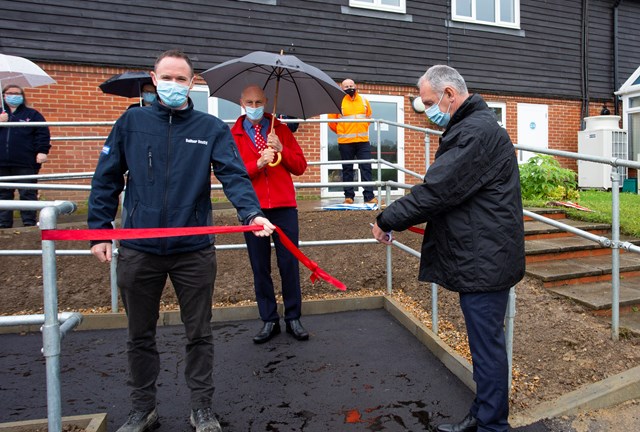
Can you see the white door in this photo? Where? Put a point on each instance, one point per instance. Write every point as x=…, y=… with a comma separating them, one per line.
x=391, y=138
x=533, y=128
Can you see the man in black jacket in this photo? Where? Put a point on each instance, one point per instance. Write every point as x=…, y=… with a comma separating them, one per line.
x=167, y=151
x=474, y=239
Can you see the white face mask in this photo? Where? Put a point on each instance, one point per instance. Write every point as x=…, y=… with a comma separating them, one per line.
x=172, y=94
x=437, y=116
x=254, y=114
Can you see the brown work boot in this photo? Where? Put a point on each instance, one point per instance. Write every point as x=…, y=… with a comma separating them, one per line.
x=348, y=201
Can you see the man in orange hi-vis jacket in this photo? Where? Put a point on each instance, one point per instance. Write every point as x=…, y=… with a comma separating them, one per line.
x=353, y=140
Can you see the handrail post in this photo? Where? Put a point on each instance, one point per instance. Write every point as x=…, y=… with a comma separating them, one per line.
x=509, y=330
x=388, y=251
x=427, y=151
x=615, y=253
x=434, y=308
x=113, y=276
x=379, y=157
x=51, y=328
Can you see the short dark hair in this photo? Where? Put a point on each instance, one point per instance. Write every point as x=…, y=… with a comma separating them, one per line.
x=177, y=54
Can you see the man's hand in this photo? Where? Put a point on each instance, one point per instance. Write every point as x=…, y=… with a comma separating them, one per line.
x=268, y=226
x=41, y=158
x=102, y=251
x=274, y=142
x=267, y=155
x=4, y=117
x=381, y=236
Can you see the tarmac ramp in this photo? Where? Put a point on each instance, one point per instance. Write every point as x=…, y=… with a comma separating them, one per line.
x=360, y=371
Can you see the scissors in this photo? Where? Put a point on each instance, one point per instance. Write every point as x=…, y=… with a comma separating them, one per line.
x=389, y=234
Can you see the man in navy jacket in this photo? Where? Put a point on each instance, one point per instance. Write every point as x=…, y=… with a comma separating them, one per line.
x=167, y=151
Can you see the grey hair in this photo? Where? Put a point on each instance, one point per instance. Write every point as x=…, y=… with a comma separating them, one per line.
x=441, y=76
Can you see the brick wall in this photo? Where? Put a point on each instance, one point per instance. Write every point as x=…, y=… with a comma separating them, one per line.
x=76, y=97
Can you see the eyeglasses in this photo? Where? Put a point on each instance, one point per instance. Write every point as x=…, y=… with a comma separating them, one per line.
x=13, y=94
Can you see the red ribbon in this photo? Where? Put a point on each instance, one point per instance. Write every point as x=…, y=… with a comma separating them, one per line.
x=128, y=233
x=416, y=230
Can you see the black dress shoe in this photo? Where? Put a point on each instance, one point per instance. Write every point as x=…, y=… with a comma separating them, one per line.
x=294, y=328
x=269, y=330
x=468, y=424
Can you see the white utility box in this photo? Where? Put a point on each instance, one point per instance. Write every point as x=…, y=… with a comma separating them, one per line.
x=602, y=137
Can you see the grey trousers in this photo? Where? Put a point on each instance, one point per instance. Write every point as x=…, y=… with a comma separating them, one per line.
x=141, y=279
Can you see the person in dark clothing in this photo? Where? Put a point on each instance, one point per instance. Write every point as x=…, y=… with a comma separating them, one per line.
x=474, y=238
x=293, y=127
x=147, y=97
x=167, y=151
x=22, y=151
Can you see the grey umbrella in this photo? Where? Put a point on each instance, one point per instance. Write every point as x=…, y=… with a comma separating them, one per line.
x=291, y=86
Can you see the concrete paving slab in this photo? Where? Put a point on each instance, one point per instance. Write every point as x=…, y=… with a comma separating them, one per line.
x=580, y=267
x=360, y=371
x=558, y=245
x=598, y=295
x=536, y=227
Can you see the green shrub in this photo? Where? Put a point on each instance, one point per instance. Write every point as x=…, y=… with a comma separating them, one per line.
x=542, y=178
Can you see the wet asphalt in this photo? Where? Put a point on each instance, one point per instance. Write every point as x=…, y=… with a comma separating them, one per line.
x=360, y=371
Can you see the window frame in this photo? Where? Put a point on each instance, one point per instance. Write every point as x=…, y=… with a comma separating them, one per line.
x=377, y=5
x=328, y=165
x=503, y=106
x=497, y=23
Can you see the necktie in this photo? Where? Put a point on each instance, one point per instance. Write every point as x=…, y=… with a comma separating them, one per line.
x=261, y=144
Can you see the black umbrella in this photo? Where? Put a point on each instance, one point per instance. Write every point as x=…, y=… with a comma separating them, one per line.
x=127, y=84
x=291, y=86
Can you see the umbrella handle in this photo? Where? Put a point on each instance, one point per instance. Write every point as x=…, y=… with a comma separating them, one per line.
x=277, y=162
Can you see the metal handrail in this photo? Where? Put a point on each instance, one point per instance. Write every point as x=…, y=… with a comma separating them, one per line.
x=54, y=325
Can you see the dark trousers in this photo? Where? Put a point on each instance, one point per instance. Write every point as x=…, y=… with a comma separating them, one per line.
x=260, y=258
x=141, y=279
x=361, y=150
x=484, y=317
x=28, y=216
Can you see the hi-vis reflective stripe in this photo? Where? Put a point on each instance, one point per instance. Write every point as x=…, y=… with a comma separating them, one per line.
x=353, y=135
x=355, y=116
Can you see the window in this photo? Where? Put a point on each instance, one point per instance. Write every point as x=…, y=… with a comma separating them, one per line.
x=504, y=13
x=221, y=108
x=500, y=111
x=390, y=108
x=381, y=5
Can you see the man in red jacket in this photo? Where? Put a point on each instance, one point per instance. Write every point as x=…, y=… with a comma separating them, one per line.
x=260, y=138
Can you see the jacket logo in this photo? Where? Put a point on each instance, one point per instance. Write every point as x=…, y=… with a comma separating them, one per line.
x=105, y=150
x=196, y=141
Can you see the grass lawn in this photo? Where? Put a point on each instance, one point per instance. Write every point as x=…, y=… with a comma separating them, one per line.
x=600, y=203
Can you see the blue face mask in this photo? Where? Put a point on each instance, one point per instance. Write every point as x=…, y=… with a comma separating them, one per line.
x=14, y=100
x=437, y=116
x=254, y=114
x=148, y=97
x=172, y=94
